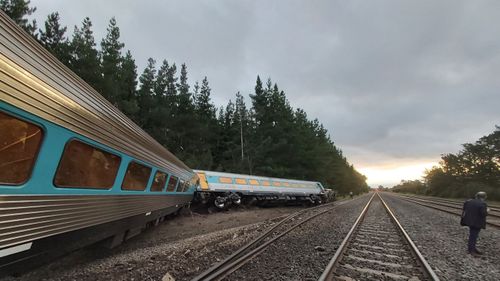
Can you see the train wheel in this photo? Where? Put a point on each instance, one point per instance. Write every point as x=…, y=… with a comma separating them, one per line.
x=221, y=202
x=237, y=201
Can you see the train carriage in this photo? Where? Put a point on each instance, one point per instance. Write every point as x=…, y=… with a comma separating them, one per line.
x=73, y=169
x=223, y=189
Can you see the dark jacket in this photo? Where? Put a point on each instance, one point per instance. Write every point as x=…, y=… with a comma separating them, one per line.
x=474, y=213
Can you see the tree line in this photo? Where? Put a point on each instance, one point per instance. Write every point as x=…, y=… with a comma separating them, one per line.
x=476, y=167
x=268, y=138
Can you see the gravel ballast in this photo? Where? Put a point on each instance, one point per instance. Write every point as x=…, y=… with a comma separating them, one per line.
x=443, y=242
x=304, y=253
x=377, y=250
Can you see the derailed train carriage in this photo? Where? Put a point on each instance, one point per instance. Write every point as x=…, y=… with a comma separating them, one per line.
x=225, y=189
x=73, y=169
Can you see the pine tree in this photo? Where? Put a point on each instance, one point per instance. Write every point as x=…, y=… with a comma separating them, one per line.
x=146, y=95
x=128, y=87
x=172, y=83
x=285, y=143
x=242, y=133
x=161, y=82
x=161, y=109
x=185, y=104
x=259, y=102
x=228, y=147
x=183, y=86
x=53, y=38
x=203, y=104
x=18, y=10
x=204, y=132
x=84, y=58
x=111, y=49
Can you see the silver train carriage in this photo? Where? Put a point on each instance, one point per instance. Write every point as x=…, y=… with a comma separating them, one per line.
x=73, y=169
x=225, y=189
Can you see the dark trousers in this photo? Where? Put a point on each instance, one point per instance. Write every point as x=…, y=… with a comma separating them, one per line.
x=473, y=234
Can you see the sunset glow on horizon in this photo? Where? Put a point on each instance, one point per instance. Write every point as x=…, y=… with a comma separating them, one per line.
x=392, y=174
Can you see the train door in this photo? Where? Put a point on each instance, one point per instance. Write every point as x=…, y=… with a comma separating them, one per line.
x=203, y=181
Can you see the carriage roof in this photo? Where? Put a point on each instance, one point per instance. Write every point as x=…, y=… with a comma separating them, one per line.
x=32, y=79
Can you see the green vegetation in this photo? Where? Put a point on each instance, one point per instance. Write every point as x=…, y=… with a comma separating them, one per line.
x=270, y=138
x=474, y=168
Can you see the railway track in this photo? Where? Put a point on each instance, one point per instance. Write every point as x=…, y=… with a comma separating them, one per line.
x=452, y=201
x=451, y=207
x=377, y=248
x=259, y=244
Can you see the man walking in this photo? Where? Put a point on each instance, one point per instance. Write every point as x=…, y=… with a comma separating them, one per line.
x=474, y=216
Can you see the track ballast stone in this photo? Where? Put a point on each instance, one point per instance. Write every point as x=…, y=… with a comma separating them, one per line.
x=303, y=253
x=378, y=250
x=443, y=242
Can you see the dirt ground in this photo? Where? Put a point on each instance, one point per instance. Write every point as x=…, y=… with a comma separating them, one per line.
x=178, y=234
x=189, y=224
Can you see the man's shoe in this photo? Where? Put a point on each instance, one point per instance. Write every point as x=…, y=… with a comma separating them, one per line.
x=473, y=253
x=478, y=252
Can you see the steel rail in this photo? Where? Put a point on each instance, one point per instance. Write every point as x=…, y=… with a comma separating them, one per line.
x=441, y=199
x=261, y=237
x=327, y=274
x=494, y=212
x=243, y=254
x=442, y=209
x=414, y=248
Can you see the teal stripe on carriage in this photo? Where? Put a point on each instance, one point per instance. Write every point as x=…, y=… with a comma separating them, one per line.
x=45, y=167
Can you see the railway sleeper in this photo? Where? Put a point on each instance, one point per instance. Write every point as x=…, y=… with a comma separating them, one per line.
x=369, y=274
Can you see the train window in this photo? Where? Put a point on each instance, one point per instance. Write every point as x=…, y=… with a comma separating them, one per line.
x=225, y=180
x=84, y=166
x=19, y=145
x=241, y=181
x=276, y=183
x=254, y=182
x=286, y=184
x=182, y=186
x=159, y=181
x=172, y=183
x=186, y=187
x=137, y=177
x=266, y=183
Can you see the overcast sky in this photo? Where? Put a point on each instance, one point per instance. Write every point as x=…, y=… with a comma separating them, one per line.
x=396, y=83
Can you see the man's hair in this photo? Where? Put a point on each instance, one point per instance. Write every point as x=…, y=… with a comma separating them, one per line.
x=481, y=195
